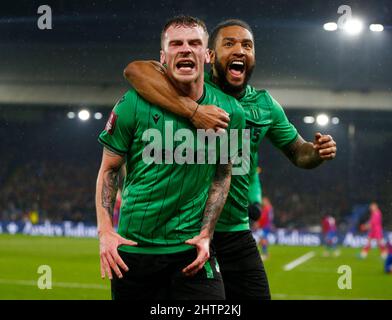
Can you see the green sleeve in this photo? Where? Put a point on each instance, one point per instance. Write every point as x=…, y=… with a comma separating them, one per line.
x=237, y=122
x=281, y=131
x=119, y=129
x=255, y=190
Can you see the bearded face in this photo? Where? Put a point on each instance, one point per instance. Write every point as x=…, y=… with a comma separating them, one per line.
x=233, y=58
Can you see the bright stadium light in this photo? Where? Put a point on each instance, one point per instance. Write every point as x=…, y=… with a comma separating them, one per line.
x=330, y=26
x=376, y=27
x=98, y=115
x=322, y=119
x=335, y=120
x=84, y=115
x=71, y=115
x=309, y=119
x=353, y=26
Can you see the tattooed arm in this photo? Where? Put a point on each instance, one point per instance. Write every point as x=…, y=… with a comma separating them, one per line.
x=216, y=200
x=105, y=197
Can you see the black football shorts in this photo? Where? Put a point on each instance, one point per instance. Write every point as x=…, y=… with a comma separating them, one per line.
x=159, y=277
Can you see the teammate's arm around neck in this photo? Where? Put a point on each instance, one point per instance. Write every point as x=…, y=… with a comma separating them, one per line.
x=149, y=79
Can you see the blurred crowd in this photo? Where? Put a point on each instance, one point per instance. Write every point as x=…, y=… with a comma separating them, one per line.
x=48, y=171
x=39, y=190
x=298, y=205
x=55, y=191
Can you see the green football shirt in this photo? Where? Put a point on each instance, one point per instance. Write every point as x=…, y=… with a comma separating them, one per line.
x=162, y=200
x=255, y=190
x=264, y=118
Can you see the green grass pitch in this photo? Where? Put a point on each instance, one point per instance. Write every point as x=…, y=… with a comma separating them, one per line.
x=76, y=275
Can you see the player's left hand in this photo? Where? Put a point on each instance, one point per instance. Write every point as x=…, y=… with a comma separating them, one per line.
x=202, y=244
x=210, y=117
x=325, y=146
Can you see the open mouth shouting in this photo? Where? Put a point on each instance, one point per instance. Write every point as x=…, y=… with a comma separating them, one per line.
x=185, y=66
x=236, y=69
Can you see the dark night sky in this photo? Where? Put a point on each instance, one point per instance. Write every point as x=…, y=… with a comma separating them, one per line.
x=100, y=37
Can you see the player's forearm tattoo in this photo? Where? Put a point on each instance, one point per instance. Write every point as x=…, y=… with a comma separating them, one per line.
x=109, y=190
x=216, y=197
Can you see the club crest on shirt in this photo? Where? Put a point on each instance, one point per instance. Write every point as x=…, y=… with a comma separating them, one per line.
x=111, y=124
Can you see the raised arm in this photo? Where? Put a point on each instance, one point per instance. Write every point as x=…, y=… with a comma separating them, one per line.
x=216, y=200
x=105, y=197
x=150, y=81
x=303, y=154
x=308, y=155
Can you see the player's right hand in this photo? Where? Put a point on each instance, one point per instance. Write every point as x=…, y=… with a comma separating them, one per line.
x=110, y=260
x=210, y=117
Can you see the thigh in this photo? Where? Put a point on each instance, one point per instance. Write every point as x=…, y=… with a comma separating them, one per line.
x=242, y=269
x=207, y=284
x=246, y=285
x=147, y=278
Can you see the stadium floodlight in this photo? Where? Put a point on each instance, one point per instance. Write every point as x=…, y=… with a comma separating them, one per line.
x=84, y=115
x=330, y=26
x=98, y=115
x=376, y=27
x=71, y=115
x=335, y=120
x=322, y=119
x=309, y=119
x=353, y=26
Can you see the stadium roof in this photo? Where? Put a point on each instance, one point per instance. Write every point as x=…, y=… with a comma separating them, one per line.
x=80, y=61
